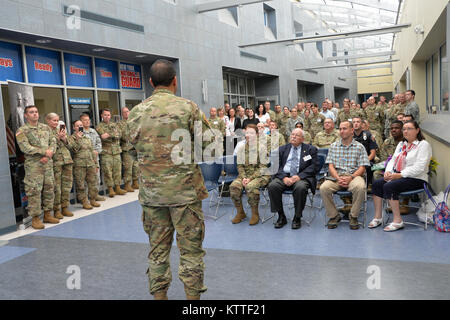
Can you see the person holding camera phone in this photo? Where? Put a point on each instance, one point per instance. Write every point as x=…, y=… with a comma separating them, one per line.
x=85, y=166
x=62, y=167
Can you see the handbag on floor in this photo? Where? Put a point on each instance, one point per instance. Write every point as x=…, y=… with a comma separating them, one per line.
x=441, y=215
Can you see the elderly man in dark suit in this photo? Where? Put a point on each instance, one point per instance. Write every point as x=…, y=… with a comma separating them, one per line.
x=298, y=164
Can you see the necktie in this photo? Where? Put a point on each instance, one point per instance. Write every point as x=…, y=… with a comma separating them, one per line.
x=294, y=162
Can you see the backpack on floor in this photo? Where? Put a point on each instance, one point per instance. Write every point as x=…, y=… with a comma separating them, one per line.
x=441, y=215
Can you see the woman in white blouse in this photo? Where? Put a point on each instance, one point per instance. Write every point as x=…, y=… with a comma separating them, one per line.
x=261, y=114
x=406, y=171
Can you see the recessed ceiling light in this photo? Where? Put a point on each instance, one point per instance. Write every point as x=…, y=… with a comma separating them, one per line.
x=43, y=41
x=141, y=56
x=98, y=49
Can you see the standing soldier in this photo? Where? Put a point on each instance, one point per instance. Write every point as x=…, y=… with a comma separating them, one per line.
x=345, y=114
x=110, y=158
x=38, y=144
x=130, y=166
x=375, y=115
x=170, y=194
x=315, y=121
x=96, y=144
x=278, y=115
x=62, y=167
x=290, y=125
x=284, y=120
x=268, y=110
x=85, y=166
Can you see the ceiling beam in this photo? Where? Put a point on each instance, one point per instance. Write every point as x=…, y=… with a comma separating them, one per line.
x=361, y=56
x=224, y=4
x=334, y=36
x=345, y=65
x=369, y=5
x=382, y=66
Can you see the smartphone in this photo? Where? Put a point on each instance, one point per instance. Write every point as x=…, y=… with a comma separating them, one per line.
x=80, y=129
x=62, y=127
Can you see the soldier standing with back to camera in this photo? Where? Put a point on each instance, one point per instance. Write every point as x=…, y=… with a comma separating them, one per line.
x=38, y=144
x=170, y=194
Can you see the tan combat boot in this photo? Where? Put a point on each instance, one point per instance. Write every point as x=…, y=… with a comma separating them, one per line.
x=128, y=187
x=254, y=220
x=240, y=215
x=111, y=192
x=160, y=295
x=49, y=219
x=86, y=205
x=66, y=212
x=37, y=224
x=57, y=214
x=94, y=203
x=99, y=198
x=135, y=184
x=119, y=191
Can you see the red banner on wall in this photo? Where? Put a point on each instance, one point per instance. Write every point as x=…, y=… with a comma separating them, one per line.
x=130, y=76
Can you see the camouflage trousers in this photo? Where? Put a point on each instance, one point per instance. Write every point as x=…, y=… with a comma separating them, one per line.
x=39, y=188
x=112, y=169
x=252, y=190
x=82, y=176
x=63, y=185
x=160, y=223
x=130, y=167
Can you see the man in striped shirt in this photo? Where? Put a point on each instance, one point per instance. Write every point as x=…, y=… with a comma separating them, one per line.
x=347, y=160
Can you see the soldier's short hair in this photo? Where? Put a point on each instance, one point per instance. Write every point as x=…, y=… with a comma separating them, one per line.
x=84, y=114
x=51, y=115
x=106, y=109
x=400, y=123
x=412, y=92
x=29, y=107
x=162, y=73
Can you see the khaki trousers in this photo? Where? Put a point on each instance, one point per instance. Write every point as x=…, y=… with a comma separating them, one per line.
x=357, y=187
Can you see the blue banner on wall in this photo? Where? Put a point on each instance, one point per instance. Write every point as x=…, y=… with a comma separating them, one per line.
x=10, y=62
x=107, y=74
x=43, y=66
x=78, y=70
x=86, y=101
x=130, y=76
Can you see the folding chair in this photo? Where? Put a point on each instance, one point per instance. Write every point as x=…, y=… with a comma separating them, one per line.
x=211, y=173
x=311, y=195
x=346, y=193
x=422, y=198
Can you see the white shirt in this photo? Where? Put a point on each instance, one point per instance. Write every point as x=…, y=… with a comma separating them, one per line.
x=230, y=127
x=417, y=160
x=263, y=118
x=239, y=145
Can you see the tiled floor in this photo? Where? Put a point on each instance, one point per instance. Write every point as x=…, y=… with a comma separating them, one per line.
x=110, y=247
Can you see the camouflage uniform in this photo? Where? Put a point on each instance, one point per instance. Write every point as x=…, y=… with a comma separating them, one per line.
x=170, y=194
x=307, y=137
x=85, y=163
x=282, y=126
x=290, y=125
x=387, y=149
x=249, y=169
x=63, y=173
x=344, y=116
x=110, y=160
x=130, y=166
x=324, y=140
x=375, y=115
x=39, y=180
x=315, y=124
x=278, y=116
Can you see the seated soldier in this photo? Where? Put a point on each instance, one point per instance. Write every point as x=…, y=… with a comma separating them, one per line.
x=251, y=176
x=324, y=139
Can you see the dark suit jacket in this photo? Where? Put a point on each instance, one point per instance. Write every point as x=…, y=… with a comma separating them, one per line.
x=239, y=123
x=307, y=169
x=254, y=121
